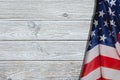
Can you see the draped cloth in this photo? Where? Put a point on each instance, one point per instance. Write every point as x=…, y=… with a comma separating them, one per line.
x=102, y=57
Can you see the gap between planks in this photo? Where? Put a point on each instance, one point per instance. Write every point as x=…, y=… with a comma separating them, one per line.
x=42, y=20
x=44, y=40
x=43, y=60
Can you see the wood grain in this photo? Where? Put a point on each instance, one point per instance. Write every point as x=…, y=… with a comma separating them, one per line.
x=46, y=9
x=40, y=70
x=42, y=50
x=44, y=30
x=43, y=39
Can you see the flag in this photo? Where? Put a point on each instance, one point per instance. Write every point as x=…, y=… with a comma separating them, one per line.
x=102, y=58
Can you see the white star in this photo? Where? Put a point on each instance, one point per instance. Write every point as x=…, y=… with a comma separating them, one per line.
x=102, y=38
x=110, y=12
x=113, y=13
x=112, y=23
x=90, y=43
x=95, y=23
x=105, y=23
x=100, y=2
x=111, y=33
x=113, y=2
x=101, y=13
x=93, y=33
x=100, y=28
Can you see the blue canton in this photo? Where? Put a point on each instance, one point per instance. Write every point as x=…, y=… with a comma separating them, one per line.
x=105, y=23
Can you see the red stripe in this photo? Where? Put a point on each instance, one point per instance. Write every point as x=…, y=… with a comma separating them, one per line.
x=110, y=62
x=105, y=62
x=102, y=78
x=94, y=64
x=118, y=37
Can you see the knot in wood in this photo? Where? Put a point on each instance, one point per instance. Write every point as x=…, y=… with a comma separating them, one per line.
x=31, y=24
x=65, y=15
x=9, y=79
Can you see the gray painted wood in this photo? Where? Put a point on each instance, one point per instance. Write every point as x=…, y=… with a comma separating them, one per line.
x=44, y=30
x=40, y=70
x=43, y=39
x=46, y=9
x=42, y=50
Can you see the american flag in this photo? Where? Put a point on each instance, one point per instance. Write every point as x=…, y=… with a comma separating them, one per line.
x=102, y=59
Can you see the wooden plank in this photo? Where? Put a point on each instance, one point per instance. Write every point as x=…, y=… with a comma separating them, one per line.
x=40, y=70
x=46, y=9
x=42, y=50
x=44, y=30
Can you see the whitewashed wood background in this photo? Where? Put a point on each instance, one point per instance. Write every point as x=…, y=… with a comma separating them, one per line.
x=43, y=39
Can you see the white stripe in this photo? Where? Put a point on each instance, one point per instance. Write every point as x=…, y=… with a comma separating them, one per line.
x=94, y=75
x=118, y=48
x=111, y=74
x=91, y=54
x=107, y=73
x=101, y=50
x=109, y=52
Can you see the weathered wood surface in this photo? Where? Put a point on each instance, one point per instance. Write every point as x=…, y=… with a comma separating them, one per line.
x=46, y=9
x=42, y=50
x=43, y=39
x=40, y=70
x=44, y=30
